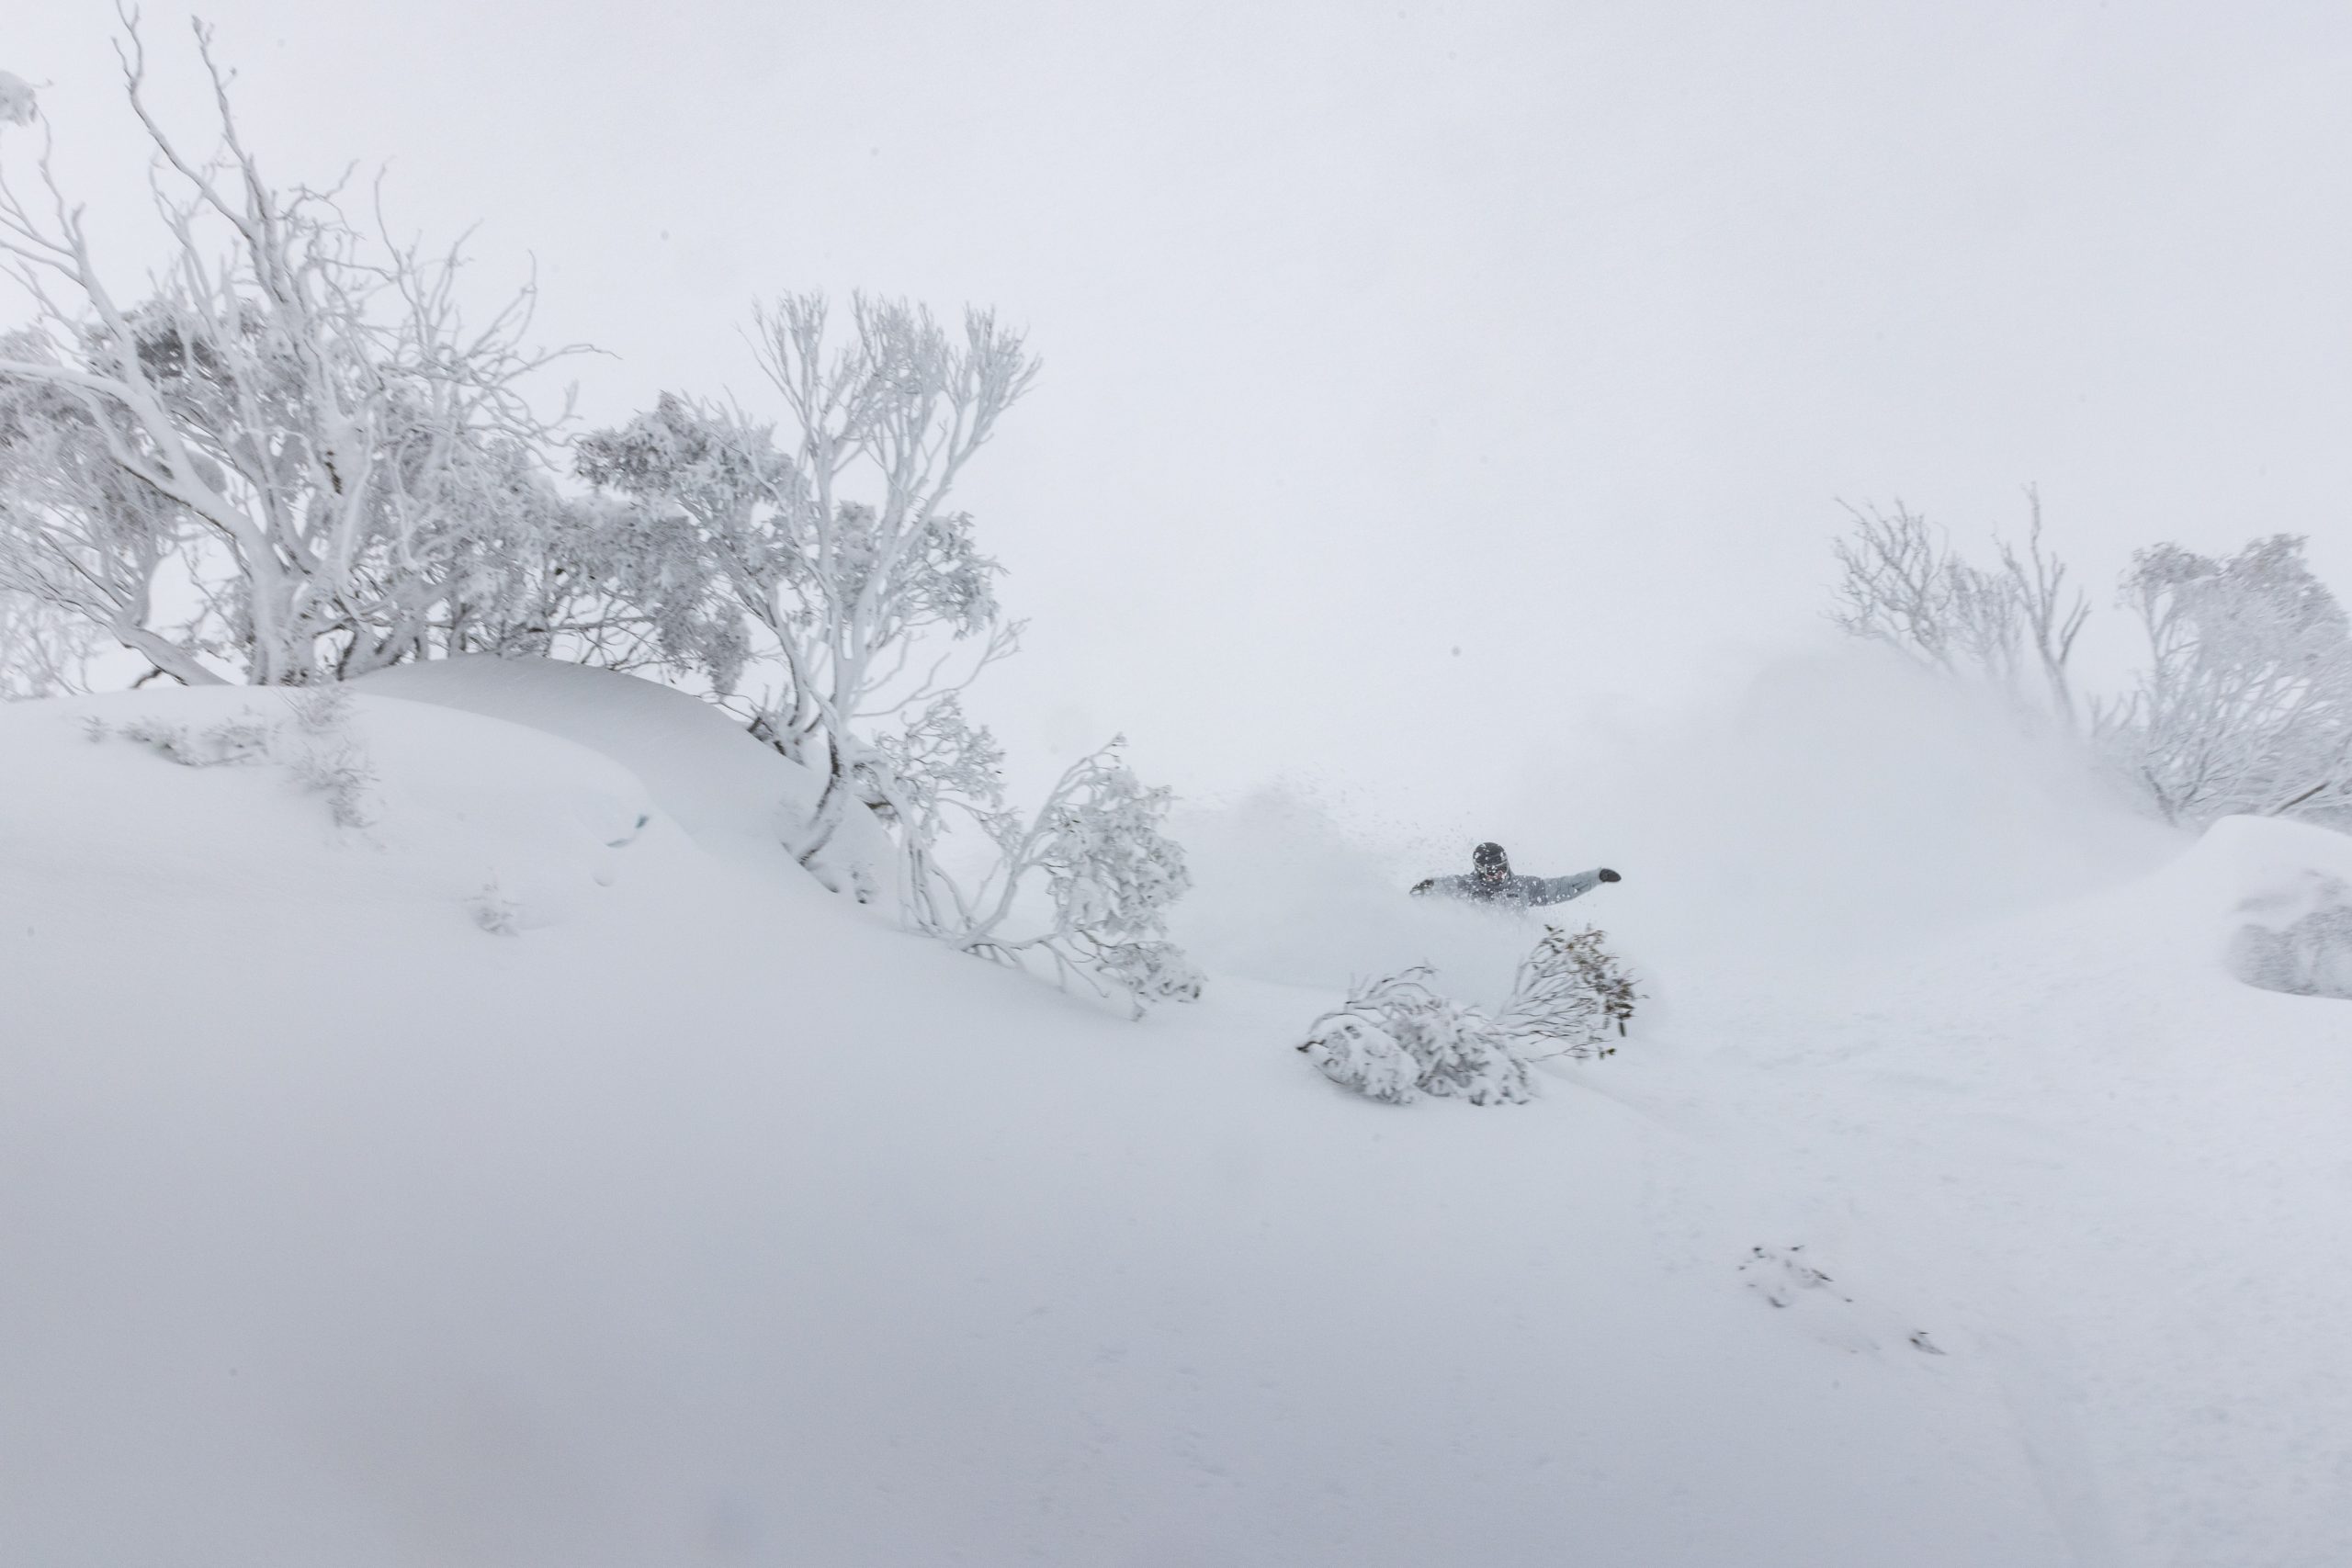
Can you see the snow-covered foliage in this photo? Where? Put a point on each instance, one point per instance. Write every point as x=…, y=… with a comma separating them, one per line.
x=44, y=651
x=1111, y=873
x=317, y=749
x=493, y=910
x=2309, y=955
x=1903, y=585
x=1572, y=993
x=1085, y=884
x=299, y=435
x=240, y=739
x=1398, y=1038
x=2245, y=702
x=19, y=102
x=756, y=554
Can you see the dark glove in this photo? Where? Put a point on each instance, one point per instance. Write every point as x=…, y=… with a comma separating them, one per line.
x=1609, y=875
x=1423, y=886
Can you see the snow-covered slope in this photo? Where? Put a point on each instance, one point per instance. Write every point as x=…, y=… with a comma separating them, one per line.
x=732, y=795
x=704, y=1219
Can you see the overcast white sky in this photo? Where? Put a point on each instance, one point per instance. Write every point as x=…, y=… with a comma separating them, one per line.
x=1548, y=333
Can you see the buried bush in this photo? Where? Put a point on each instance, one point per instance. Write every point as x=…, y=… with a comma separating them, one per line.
x=2311, y=957
x=1397, y=1038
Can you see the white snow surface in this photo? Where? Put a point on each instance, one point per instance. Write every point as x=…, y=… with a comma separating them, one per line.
x=705, y=1218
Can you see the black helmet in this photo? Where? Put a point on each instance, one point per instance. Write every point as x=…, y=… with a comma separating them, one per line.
x=1488, y=861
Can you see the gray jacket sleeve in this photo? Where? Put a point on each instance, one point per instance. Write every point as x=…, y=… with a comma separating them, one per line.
x=1452, y=887
x=1560, y=889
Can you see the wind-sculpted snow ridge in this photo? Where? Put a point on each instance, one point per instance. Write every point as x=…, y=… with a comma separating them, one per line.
x=708, y=1218
x=222, y=795
x=730, y=792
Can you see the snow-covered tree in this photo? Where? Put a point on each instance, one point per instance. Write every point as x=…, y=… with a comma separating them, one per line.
x=827, y=570
x=2015, y=625
x=832, y=561
x=2245, y=701
x=298, y=440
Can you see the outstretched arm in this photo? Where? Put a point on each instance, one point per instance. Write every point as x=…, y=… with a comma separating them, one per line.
x=1560, y=889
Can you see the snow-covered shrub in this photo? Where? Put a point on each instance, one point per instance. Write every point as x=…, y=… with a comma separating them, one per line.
x=2311, y=957
x=326, y=758
x=1779, y=1276
x=1396, y=1038
x=1571, y=991
x=244, y=738
x=169, y=741
x=322, y=710
x=493, y=911
x=1148, y=971
x=1084, y=885
x=322, y=755
x=298, y=441
x=342, y=773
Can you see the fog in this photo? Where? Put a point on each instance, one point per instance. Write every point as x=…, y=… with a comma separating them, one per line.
x=1840, y=806
x=1424, y=385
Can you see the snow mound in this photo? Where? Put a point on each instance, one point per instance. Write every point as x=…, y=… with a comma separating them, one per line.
x=2290, y=887
x=226, y=793
x=736, y=797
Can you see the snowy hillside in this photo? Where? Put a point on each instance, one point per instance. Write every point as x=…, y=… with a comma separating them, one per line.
x=536, y=1168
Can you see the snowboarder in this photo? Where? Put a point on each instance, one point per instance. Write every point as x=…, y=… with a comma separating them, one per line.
x=1490, y=882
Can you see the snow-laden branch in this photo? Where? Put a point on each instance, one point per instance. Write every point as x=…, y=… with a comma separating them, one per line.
x=824, y=551
x=1901, y=583
x=759, y=548
x=299, y=422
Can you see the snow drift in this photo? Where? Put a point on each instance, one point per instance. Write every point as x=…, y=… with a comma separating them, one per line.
x=708, y=1218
